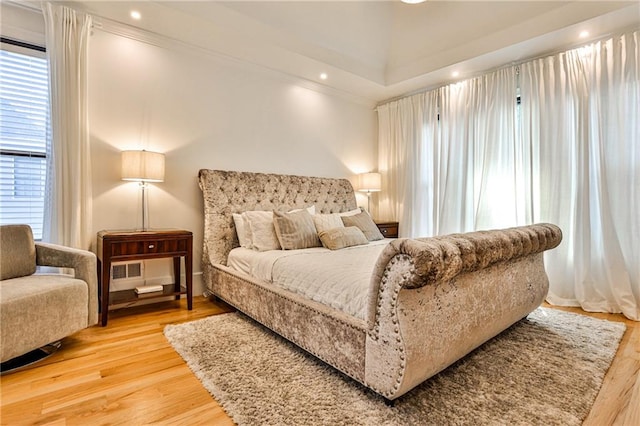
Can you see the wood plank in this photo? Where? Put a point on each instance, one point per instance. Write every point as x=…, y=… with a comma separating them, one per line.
x=127, y=373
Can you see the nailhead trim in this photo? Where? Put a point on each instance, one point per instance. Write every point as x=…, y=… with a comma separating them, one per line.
x=374, y=333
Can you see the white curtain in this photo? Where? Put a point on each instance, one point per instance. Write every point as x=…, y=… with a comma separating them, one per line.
x=449, y=158
x=568, y=154
x=68, y=203
x=580, y=112
x=480, y=155
x=407, y=179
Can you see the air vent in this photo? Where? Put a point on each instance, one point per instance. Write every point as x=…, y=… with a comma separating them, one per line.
x=126, y=271
x=118, y=272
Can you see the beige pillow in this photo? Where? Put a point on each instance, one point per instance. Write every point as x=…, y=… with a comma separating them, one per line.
x=342, y=237
x=295, y=230
x=259, y=232
x=351, y=212
x=366, y=225
x=325, y=222
x=262, y=231
x=311, y=209
x=243, y=231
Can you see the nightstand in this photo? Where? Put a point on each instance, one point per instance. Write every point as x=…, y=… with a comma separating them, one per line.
x=119, y=246
x=388, y=229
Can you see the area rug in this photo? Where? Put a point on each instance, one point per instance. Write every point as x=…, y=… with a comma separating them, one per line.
x=546, y=369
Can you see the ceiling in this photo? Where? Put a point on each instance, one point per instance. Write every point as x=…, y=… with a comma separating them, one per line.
x=375, y=50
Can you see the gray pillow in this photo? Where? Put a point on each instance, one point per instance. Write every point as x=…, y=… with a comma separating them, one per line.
x=366, y=225
x=295, y=230
x=342, y=237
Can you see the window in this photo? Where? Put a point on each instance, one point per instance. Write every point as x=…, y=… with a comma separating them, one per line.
x=24, y=106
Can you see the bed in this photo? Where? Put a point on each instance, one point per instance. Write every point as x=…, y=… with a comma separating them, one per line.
x=424, y=304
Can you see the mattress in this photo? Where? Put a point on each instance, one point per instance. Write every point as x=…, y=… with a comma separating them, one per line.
x=337, y=278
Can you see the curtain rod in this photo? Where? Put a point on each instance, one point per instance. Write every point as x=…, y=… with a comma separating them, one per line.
x=573, y=46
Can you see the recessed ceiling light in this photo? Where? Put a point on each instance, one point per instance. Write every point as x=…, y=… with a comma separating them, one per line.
x=584, y=34
x=412, y=1
x=323, y=76
x=135, y=15
x=455, y=74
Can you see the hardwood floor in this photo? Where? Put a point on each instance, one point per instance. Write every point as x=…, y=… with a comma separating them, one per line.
x=618, y=402
x=127, y=373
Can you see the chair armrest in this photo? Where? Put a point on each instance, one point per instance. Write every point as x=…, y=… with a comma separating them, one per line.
x=83, y=263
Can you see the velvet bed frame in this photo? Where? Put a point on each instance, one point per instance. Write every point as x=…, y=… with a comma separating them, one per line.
x=431, y=301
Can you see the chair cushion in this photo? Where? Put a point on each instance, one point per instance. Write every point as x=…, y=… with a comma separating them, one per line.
x=40, y=309
x=17, y=251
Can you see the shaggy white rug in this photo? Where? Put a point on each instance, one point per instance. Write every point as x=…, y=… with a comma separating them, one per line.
x=546, y=369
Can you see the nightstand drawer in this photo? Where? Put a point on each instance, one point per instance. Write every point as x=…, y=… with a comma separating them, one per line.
x=165, y=246
x=125, y=248
x=388, y=229
x=387, y=232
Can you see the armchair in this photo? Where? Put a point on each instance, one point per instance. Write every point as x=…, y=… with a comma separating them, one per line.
x=39, y=308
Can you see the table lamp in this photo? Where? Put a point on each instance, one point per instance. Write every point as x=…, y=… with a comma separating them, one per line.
x=143, y=166
x=369, y=182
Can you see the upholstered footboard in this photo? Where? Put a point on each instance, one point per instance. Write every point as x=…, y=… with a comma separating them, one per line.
x=434, y=300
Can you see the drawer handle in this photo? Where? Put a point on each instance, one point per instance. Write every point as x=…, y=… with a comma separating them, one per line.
x=151, y=246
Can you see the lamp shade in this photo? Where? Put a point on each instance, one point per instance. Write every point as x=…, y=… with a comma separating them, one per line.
x=369, y=182
x=145, y=166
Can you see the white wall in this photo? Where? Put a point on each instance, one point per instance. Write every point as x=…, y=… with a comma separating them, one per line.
x=203, y=111
x=206, y=111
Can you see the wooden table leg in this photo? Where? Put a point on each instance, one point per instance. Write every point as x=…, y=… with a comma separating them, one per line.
x=105, y=275
x=176, y=274
x=188, y=267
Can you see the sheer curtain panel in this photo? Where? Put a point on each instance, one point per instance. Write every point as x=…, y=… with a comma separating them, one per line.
x=480, y=155
x=451, y=158
x=580, y=115
x=68, y=210
x=407, y=131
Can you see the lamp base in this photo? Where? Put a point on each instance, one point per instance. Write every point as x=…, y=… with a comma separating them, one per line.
x=143, y=186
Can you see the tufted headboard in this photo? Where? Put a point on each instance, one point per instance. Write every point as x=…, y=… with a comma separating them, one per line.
x=227, y=192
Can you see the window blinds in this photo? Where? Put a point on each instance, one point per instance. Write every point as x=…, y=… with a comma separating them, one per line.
x=24, y=99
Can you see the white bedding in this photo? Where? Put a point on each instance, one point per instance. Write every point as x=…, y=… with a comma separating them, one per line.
x=336, y=278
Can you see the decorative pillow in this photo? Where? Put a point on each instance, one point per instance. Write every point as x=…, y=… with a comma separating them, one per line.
x=295, y=230
x=244, y=234
x=351, y=212
x=325, y=222
x=338, y=238
x=311, y=209
x=262, y=231
x=259, y=231
x=366, y=225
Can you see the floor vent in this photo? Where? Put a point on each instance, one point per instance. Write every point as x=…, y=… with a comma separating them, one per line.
x=125, y=271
